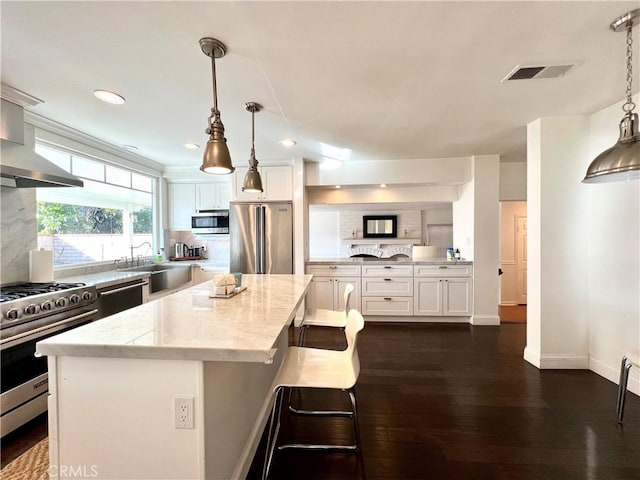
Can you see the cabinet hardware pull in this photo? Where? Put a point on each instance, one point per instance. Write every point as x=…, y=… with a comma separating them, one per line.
x=442, y=266
x=332, y=267
x=387, y=298
x=387, y=279
x=387, y=266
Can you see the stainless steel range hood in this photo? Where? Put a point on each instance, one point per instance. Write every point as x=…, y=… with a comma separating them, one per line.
x=20, y=166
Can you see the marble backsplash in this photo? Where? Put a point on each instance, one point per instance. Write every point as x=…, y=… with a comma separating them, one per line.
x=18, y=232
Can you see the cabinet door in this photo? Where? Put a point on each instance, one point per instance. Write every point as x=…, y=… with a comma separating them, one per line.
x=457, y=295
x=277, y=183
x=320, y=294
x=427, y=299
x=224, y=195
x=211, y=196
x=206, y=196
x=339, y=284
x=182, y=205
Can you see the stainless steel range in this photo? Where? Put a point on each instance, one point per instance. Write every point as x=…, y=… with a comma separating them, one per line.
x=30, y=313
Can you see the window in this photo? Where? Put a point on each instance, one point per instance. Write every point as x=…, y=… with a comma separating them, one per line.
x=102, y=220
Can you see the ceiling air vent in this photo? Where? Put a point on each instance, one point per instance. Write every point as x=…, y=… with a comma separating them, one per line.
x=536, y=72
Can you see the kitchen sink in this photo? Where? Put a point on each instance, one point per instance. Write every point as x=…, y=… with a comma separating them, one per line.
x=163, y=276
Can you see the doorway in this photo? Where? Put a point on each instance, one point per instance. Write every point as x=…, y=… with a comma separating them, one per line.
x=513, y=254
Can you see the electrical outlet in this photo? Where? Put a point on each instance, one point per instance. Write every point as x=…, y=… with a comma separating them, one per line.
x=183, y=412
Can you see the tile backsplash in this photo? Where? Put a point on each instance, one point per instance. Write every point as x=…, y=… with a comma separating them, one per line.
x=217, y=246
x=18, y=232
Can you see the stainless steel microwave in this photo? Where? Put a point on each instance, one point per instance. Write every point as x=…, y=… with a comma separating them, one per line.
x=210, y=222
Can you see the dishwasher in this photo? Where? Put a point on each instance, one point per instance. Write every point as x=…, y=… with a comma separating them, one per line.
x=122, y=296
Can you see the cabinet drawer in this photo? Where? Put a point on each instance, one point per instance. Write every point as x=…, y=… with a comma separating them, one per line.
x=390, y=306
x=443, y=270
x=387, y=270
x=334, y=270
x=387, y=286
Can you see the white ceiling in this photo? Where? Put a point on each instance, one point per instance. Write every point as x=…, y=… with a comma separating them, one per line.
x=388, y=80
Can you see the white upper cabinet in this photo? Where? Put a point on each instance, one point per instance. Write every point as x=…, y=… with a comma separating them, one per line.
x=276, y=182
x=212, y=196
x=182, y=205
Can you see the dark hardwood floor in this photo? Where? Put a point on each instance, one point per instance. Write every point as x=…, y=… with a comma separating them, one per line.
x=459, y=402
x=451, y=402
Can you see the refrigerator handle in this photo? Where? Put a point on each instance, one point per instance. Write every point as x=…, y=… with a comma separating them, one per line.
x=263, y=233
x=256, y=253
x=260, y=241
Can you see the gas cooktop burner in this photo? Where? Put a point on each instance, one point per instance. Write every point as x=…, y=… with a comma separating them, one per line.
x=21, y=290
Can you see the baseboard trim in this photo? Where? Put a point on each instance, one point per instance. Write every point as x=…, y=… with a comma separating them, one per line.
x=532, y=357
x=556, y=362
x=408, y=319
x=613, y=374
x=493, y=320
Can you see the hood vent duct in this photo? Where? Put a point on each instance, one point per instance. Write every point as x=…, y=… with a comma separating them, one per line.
x=20, y=166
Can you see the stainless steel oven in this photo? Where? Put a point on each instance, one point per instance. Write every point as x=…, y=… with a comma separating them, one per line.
x=35, y=312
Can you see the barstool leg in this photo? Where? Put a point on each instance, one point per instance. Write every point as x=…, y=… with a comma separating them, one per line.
x=623, y=386
x=303, y=331
x=356, y=431
x=272, y=436
x=620, y=381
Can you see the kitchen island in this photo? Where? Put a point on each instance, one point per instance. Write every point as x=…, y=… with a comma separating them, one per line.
x=176, y=388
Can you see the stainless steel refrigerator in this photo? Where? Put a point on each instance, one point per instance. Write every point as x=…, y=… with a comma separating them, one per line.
x=261, y=237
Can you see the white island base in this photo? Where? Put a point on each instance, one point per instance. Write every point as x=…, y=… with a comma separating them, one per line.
x=112, y=412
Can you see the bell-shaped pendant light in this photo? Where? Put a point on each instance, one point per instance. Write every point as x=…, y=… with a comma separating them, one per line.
x=217, y=159
x=252, y=180
x=622, y=161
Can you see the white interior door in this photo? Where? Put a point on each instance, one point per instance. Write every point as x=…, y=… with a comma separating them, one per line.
x=521, y=260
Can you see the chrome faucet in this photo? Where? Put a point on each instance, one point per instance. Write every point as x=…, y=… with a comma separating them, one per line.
x=138, y=246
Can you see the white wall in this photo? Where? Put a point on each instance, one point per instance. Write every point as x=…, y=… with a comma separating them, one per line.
x=513, y=181
x=613, y=266
x=476, y=219
x=324, y=234
x=416, y=171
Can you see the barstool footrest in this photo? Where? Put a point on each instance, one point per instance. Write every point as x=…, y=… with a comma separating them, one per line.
x=306, y=446
x=320, y=413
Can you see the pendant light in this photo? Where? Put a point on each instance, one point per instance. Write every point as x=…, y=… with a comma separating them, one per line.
x=252, y=181
x=622, y=161
x=217, y=159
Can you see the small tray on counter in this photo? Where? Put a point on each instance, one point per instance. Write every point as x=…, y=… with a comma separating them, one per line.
x=236, y=291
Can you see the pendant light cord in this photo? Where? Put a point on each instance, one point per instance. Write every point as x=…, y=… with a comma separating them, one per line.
x=629, y=106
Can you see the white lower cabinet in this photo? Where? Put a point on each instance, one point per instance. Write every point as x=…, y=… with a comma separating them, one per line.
x=387, y=290
x=327, y=287
x=438, y=295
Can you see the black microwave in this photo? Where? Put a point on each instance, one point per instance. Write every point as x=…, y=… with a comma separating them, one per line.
x=210, y=222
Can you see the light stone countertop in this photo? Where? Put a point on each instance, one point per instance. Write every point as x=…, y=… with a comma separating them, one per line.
x=188, y=325
x=367, y=261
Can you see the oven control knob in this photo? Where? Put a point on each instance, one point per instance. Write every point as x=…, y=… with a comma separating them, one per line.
x=86, y=296
x=12, y=314
x=46, y=306
x=61, y=302
x=73, y=299
x=31, y=309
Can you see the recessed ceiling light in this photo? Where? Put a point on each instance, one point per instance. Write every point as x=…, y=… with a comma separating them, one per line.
x=191, y=146
x=132, y=148
x=383, y=185
x=109, y=97
x=287, y=142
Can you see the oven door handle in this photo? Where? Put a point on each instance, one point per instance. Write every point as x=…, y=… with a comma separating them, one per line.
x=122, y=289
x=25, y=336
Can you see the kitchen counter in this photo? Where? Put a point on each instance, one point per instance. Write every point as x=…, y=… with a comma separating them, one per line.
x=403, y=260
x=104, y=279
x=180, y=387
x=189, y=325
